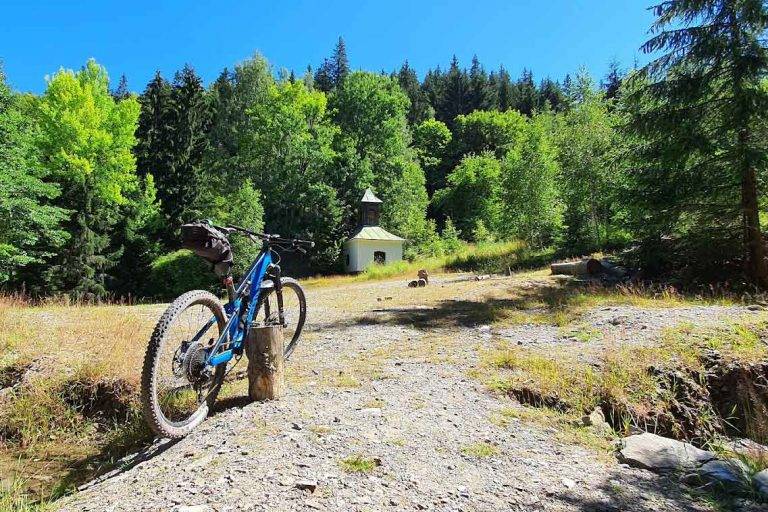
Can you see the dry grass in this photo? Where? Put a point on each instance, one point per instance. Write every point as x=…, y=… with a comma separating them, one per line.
x=564, y=382
x=567, y=427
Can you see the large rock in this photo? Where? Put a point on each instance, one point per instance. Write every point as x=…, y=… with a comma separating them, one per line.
x=657, y=453
x=726, y=475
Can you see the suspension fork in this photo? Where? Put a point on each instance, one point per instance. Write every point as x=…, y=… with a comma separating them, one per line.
x=275, y=273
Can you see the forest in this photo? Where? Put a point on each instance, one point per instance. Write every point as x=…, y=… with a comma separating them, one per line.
x=663, y=163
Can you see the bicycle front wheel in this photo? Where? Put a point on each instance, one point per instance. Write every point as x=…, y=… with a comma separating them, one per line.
x=294, y=311
x=177, y=387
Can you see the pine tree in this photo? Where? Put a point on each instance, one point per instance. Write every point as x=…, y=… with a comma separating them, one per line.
x=698, y=109
x=323, y=79
x=122, y=91
x=551, y=96
x=340, y=63
x=527, y=95
x=506, y=90
x=434, y=88
x=612, y=81
x=173, y=138
x=190, y=118
x=420, y=109
x=482, y=96
x=456, y=98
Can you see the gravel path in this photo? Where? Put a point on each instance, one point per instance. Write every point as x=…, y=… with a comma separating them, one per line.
x=398, y=397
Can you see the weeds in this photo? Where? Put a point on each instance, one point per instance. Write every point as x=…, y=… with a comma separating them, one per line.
x=480, y=450
x=15, y=498
x=630, y=382
x=359, y=464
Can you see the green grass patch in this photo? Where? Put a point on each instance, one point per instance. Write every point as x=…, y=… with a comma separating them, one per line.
x=359, y=464
x=480, y=450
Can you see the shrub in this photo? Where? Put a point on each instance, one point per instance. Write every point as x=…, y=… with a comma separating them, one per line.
x=178, y=272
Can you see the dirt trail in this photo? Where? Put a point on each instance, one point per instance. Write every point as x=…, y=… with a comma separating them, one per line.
x=386, y=380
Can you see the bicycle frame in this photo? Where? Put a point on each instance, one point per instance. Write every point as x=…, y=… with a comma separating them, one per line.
x=238, y=321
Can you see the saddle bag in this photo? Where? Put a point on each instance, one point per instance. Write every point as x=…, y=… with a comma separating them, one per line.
x=208, y=243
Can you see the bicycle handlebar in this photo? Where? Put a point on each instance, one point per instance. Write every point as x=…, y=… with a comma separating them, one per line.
x=276, y=239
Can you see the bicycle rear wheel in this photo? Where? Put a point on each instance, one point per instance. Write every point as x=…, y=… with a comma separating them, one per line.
x=294, y=311
x=177, y=387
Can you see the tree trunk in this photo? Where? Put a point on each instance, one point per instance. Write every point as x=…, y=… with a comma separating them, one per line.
x=753, y=236
x=264, y=348
x=754, y=248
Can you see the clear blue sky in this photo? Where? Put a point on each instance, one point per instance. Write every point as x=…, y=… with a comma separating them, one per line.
x=551, y=37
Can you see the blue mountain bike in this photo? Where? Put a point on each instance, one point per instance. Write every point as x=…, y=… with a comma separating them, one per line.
x=197, y=340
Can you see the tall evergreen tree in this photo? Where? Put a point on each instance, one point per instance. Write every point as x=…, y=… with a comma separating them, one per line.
x=121, y=92
x=698, y=109
x=551, y=96
x=420, y=109
x=506, y=90
x=482, y=96
x=323, y=79
x=340, y=63
x=173, y=134
x=612, y=81
x=526, y=94
x=434, y=88
x=456, y=96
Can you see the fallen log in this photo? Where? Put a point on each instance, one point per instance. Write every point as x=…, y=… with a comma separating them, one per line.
x=589, y=266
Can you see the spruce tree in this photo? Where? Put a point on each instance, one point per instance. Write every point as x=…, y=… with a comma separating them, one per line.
x=456, y=98
x=434, y=88
x=339, y=63
x=506, y=90
x=420, y=109
x=550, y=96
x=323, y=79
x=481, y=95
x=698, y=110
x=173, y=138
x=612, y=81
x=121, y=92
x=526, y=94
x=189, y=115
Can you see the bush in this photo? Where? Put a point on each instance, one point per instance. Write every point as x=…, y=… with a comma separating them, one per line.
x=178, y=272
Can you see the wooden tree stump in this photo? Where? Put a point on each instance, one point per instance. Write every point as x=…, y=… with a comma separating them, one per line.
x=264, y=348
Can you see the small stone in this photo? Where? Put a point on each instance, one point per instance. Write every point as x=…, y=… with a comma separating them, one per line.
x=313, y=504
x=306, y=485
x=594, y=419
x=568, y=483
x=296, y=426
x=755, y=307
